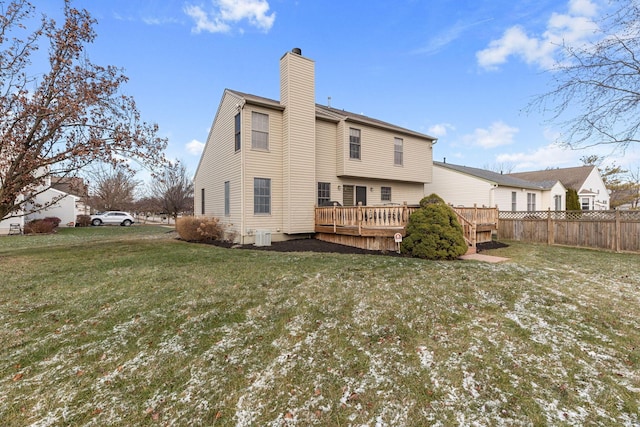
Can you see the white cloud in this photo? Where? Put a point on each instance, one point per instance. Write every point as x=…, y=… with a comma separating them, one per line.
x=440, y=129
x=552, y=155
x=195, y=147
x=226, y=12
x=498, y=134
x=574, y=27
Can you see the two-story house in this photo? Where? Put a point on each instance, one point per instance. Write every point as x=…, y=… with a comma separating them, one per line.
x=267, y=164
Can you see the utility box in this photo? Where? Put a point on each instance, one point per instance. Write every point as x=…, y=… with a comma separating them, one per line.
x=263, y=238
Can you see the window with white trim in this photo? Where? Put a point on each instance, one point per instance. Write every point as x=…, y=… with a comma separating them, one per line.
x=238, y=142
x=259, y=131
x=354, y=143
x=324, y=193
x=261, y=196
x=514, y=201
x=531, y=201
x=227, y=198
x=385, y=194
x=398, y=151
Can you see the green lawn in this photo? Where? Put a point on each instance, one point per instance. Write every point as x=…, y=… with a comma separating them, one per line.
x=128, y=326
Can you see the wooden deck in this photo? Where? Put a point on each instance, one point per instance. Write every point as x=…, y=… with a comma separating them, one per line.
x=374, y=227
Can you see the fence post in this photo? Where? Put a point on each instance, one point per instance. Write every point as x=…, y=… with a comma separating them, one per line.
x=335, y=217
x=359, y=215
x=617, y=233
x=550, y=236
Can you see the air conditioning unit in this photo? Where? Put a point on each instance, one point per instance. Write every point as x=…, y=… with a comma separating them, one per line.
x=263, y=238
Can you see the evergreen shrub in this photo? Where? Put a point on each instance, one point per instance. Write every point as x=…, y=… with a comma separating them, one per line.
x=433, y=231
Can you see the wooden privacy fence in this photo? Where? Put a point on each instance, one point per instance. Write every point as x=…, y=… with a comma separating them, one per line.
x=615, y=230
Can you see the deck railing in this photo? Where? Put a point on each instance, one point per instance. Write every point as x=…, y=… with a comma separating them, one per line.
x=393, y=217
x=388, y=220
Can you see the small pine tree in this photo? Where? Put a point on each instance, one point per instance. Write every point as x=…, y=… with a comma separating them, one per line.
x=573, y=202
x=433, y=231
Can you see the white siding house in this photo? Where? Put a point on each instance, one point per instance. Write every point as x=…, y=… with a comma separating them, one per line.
x=585, y=180
x=467, y=186
x=268, y=163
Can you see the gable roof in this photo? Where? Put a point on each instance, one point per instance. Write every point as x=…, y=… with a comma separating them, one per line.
x=504, y=180
x=569, y=177
x=332, y=114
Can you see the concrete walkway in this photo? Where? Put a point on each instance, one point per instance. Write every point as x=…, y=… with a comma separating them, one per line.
x=483, y=258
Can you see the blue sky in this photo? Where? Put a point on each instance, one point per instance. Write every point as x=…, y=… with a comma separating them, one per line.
x=461, y=70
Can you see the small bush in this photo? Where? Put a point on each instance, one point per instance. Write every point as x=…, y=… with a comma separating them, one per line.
x=194, y=229
x=38, y=226
x=433, y=231
x=83, y=220
x=53, y=220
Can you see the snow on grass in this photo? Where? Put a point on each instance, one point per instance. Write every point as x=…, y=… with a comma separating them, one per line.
x=331, y=340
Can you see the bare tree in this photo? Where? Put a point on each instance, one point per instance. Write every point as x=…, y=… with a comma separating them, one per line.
x=173, y=190
x=501, y=167
x=55, y=121
x=112, y=189
x=601, y=81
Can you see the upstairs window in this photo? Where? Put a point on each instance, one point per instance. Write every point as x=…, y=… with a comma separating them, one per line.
x=397, y=151
x=324, y=193
x=354, y=143
x=259, y=131
x=237, y=132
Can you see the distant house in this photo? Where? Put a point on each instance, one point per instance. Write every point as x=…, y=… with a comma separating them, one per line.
x=62, y=204
x=268, y=163
x=585, y=180
x=466, y=186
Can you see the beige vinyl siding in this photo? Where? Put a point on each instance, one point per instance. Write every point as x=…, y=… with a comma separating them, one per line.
x=263, y=164
x=326, y=133
x=219, y=163
x=377, y=155
x=327, y=162
x=297, y=94
x=460, y=189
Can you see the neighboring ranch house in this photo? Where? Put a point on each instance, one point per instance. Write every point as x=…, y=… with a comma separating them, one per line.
x=586, y=180
x=467, y=186
x=63, y=205
x=267, y=164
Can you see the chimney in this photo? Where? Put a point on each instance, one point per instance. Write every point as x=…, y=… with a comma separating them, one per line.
x=297, y=95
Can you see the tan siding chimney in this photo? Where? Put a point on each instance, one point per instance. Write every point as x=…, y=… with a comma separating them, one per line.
x=297, y=95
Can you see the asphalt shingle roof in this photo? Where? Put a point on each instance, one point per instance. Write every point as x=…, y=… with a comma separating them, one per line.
x=569, y=177
x=498, y=178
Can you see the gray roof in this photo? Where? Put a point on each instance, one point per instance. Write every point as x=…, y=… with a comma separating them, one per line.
x=569, y=177
x=333, y=114
x=499, y=178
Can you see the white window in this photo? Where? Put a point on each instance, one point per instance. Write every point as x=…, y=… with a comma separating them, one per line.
x=385, y=194
x=261, y=196
x=514, y=201
x=397, y=151
x=586, y=204
x=557, y=201
x=531, y=201
x=259, y=131
x=354, y=143
x=227, y=198
x=324, y=193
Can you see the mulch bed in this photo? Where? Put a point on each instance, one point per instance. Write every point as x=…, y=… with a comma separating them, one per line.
x=314, y=245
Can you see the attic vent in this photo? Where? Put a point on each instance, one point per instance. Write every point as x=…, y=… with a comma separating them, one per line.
x=297, y=51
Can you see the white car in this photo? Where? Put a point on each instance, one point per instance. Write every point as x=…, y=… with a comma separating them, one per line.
x=112, y=217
